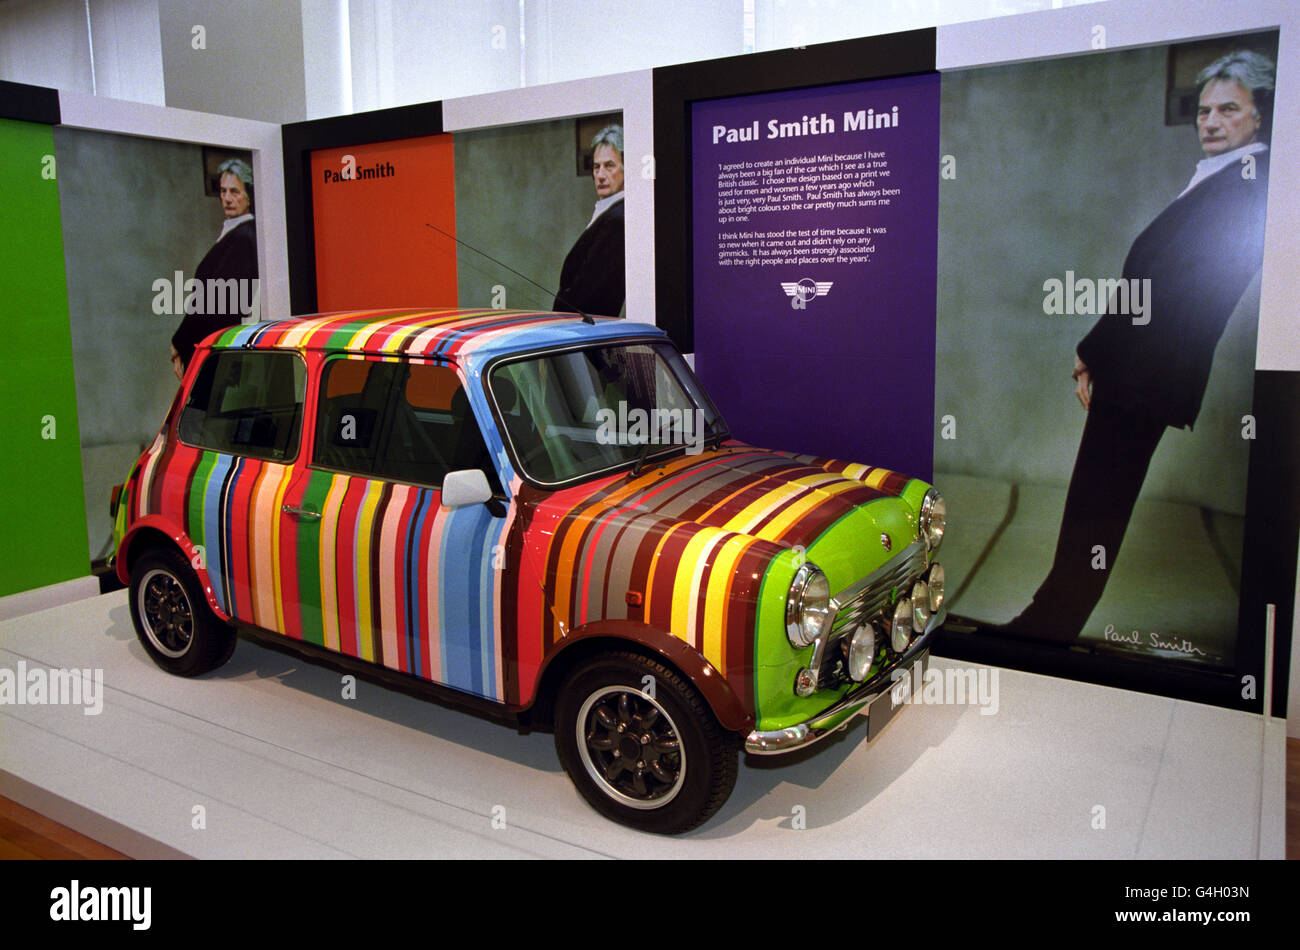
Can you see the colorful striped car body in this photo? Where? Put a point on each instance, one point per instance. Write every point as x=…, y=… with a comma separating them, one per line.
x=431, y=494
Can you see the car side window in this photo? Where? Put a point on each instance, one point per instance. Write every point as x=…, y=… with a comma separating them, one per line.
x=246, y=403
x=409, y=422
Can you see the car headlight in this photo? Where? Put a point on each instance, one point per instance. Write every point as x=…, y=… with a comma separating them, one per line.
x=862, y=651
x=933, y=518
x=920, y=606
x=935, y=584
x=900, y=631
x=808, y=605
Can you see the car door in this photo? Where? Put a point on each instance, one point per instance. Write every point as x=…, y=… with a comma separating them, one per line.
x=385, y=572
x=239, y=437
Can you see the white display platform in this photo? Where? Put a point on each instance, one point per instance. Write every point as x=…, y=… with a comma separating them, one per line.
x=284, y=767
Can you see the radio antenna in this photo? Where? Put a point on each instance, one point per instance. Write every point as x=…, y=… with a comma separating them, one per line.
x=586, y=318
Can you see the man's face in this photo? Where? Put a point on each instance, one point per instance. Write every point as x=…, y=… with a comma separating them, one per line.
x=608, y=172
x=234, y=199
x=1226, y=118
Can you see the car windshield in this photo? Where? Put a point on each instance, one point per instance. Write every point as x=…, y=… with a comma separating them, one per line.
x=576, y=413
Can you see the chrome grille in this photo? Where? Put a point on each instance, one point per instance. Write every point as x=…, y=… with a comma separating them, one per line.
x=868, y=599
x=873, y=594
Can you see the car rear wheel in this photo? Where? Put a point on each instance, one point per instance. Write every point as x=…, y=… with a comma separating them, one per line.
x=642, y=745
x=172, y=618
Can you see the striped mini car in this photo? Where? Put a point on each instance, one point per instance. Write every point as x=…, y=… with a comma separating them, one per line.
x=539, y=516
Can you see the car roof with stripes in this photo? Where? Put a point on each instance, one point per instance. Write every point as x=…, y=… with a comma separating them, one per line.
x=469, y=335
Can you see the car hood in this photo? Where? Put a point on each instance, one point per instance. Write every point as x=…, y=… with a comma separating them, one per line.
x=777, y=496
x=840, y=513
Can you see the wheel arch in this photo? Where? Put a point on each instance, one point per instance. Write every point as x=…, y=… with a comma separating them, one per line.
x=152, y=532
x=611, y=636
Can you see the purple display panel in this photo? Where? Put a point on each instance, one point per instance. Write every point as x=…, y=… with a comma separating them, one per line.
x=815, y=240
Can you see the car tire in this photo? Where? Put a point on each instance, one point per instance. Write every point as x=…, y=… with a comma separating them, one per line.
x=172, y=618
x=684, y=761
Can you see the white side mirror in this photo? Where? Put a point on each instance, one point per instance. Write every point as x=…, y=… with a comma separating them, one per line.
x=466, y=487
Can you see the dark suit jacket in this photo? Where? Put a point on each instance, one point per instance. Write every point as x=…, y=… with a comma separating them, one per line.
x=591, y=280
x=1200, y=253
x=235, y=255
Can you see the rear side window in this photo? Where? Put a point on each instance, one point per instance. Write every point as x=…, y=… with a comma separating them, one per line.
x=246, y=403
x=409, y=422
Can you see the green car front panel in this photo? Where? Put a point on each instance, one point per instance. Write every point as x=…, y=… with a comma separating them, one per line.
x=847, y=552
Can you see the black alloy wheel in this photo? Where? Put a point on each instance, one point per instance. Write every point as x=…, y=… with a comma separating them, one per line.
x=642, y=745
x=172, y=618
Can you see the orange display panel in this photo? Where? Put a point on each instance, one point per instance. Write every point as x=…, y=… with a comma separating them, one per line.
x=371, y=207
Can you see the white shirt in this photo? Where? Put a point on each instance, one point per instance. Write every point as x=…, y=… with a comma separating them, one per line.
x=603, y=205
x=231, y=223
x=1215, y=163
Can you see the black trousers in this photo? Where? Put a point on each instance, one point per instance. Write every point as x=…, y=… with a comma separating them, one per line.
x=1114, y=455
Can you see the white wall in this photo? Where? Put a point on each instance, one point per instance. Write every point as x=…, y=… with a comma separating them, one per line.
x=575, y=39
x=238, y=57
x=46, y=44
x=406, y=52
x=327, y=57
x=54, y=43
x=127, y=55
x=784, y=23
x=285, y=60
x=396, y=52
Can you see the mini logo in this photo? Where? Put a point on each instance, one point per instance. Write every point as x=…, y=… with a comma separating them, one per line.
x=805, y=290
x=885, y=542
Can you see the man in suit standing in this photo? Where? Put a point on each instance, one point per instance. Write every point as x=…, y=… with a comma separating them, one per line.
x=1136, y=375
x=591, y=280
x=231, y=263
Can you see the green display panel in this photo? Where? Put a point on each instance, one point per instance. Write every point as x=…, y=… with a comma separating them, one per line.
x=42, y=507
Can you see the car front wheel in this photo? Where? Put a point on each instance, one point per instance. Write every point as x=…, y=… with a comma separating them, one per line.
x=642, y=745
x=172, y=618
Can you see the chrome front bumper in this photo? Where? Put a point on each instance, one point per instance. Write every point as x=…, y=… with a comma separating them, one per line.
x=832, y=720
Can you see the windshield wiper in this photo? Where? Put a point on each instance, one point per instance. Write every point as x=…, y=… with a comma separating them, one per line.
x=715, y=428
x=653, y=441
x=715, y=433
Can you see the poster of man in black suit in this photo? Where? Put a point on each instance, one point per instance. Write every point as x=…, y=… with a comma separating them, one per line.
x=1139, y=371
x=228, y=272
x=591, y=280
x=1101, y=261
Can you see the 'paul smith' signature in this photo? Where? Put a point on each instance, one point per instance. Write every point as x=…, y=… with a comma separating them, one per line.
x=1153, y=640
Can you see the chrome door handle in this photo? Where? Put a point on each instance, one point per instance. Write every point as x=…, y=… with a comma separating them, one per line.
x=301, y=512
